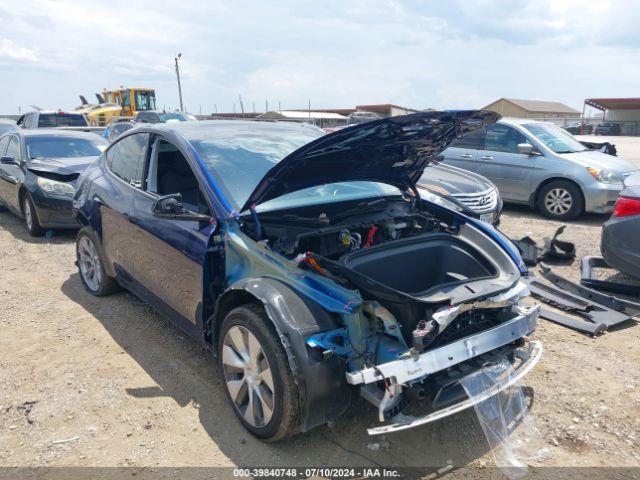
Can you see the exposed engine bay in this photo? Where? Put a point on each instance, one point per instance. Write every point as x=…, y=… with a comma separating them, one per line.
x=423, y=278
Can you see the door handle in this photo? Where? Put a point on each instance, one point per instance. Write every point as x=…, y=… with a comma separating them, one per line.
x=466, y=155
x=487, y=157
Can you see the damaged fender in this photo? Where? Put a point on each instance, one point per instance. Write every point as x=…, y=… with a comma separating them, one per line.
x=324, y=392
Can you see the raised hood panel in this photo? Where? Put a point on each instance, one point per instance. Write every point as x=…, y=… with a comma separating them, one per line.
x=392, y=150
x=61, y=166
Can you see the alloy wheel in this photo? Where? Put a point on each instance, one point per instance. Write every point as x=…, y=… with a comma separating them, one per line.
x=558, y=201
x=89, y=262
x=248, y=376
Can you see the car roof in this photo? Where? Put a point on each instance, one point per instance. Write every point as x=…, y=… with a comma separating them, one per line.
x=519, y=121
x=55, y=132
x=52, y=112
x=211, y=129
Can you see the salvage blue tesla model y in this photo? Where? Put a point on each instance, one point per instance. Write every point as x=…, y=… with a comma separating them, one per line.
x=309, y=266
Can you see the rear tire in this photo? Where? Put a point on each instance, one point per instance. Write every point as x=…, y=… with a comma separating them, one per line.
x=259, y=382
x=561, y=200
x=31, y=216
x=91, y=265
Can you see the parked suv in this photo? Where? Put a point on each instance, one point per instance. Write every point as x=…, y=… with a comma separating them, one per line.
x=541, y=165
x=579, y=129
x=307, y=263
x=50, y=118
x=608, y=129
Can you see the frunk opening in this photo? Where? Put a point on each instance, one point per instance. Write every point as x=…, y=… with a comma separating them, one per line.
x=416, y=265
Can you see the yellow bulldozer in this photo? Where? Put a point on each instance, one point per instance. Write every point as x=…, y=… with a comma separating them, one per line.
x=119, y=103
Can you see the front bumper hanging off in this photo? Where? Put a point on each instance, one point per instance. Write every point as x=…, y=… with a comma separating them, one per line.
x=410, y=369
x=528, y=359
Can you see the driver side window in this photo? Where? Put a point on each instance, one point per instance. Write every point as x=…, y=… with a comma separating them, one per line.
x=169, y=173
x=3, y=144
x=503, y=138
x=14, y=148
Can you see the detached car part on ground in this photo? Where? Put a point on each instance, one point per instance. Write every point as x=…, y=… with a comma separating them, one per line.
x=541, y=165
x=309, y=264
x=38, y=172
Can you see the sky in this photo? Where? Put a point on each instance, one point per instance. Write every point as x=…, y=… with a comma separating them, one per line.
x=334, y=53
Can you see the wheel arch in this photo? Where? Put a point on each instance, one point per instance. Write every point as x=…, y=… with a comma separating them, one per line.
x=533, y=199
x=294, y=318
x=22, y=192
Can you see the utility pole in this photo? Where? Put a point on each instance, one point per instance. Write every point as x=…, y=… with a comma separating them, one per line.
x=179, y=86
x=241, y=104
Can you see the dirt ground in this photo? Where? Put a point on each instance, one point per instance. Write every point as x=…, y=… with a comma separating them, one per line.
x=108, y=382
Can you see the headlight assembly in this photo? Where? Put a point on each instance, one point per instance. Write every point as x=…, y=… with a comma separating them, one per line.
x=604, y=175
x=53, y=187
x=438, y=200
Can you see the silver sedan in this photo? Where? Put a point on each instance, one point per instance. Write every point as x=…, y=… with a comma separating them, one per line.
x=540, y=165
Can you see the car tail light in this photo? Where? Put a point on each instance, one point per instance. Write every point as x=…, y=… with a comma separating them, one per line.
x=626, y=206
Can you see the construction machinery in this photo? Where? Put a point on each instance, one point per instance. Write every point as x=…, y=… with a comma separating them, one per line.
x=119, y=103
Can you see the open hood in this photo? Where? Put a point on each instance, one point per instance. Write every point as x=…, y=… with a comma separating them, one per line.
x=60, y=166
x=392, y=150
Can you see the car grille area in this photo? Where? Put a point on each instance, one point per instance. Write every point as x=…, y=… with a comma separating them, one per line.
x=482, y=202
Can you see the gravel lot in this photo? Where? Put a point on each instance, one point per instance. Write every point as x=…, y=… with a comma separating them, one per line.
x=108, y=382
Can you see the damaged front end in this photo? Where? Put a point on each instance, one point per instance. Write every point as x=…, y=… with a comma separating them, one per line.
x=420, y=296
x=411, y=383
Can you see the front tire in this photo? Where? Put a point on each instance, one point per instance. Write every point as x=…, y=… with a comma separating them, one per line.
x=31, y=217
x=91, y=265
x=561, y=200
x=259, y=382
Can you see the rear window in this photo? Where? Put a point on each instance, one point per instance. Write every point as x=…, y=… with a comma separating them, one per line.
x=61, y=120
x=64, y=147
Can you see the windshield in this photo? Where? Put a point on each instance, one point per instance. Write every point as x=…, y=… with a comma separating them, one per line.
x=64, y=147
x=239, y=163
x=7, y=127
x=333, y=192
x=555, y=138
x=176, y=117
x=145, y=100
x=61, y=120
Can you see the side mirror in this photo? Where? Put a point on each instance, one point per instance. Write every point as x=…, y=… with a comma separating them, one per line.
x=525, y=148
x=8, y=160
x=170, y=206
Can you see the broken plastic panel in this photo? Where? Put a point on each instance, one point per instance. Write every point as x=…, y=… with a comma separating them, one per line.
x=512, y=434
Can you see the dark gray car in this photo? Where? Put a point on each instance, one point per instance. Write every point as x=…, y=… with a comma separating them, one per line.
x=461, y=190
x=620, y=244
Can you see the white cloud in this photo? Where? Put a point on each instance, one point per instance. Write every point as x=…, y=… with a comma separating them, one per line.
x=420, y=53
x=12, y=51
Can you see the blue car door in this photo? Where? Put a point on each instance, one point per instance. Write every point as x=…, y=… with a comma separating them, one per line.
x=171, y=252
x=124, y=161
x=501, y=163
